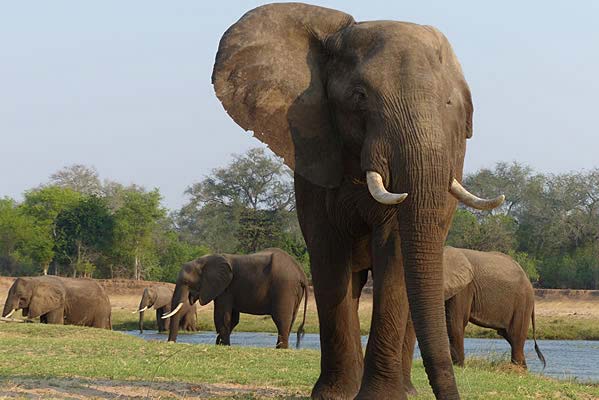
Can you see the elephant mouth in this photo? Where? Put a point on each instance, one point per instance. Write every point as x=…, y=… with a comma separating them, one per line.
x=379, y=193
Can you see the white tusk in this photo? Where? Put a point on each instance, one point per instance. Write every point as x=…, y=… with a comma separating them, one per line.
x=176, y=310
x=460, y=193
x=139, y=311
x=10, y=313
x=378, y=191
x=6, y=319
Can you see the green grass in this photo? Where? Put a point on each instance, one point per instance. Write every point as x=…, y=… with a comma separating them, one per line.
x=35, y=351
x=547, y=327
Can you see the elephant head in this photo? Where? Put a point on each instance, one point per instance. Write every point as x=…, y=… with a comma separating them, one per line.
x=35, y=296
x=148, y=299
x=203, y=280
x=457, y=272
x=383, y=103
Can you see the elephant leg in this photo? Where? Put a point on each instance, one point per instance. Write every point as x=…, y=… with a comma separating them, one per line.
x=407, y=358
x=234, y=319
x=190, y=323
x=517, y=333
x=283, y=316
x=341, y=360
x=222, y=320
x=54, y=317
x=162, y=323
x=383, y=373
x=455, y=330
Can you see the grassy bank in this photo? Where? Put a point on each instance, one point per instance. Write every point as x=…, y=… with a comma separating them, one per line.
x=77, y=358
x=566, y=328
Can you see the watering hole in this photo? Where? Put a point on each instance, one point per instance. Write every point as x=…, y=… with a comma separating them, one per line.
x=566, y=359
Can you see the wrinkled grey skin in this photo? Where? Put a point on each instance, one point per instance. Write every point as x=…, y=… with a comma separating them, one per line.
x=57, y=300
x=498, y=296
x=159, y=297
x=269, y=282
x=491, y=290
x=337, y=98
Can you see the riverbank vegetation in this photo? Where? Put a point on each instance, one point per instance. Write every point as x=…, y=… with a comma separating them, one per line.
x=85, y=357
x=77, y=224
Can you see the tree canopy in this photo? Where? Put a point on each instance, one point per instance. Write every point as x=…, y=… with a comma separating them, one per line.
x=77, y=224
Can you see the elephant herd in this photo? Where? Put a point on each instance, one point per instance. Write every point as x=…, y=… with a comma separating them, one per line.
x=373, y=119
x=269, y=282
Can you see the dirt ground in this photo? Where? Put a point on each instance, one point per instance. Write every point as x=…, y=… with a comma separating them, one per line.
x=125, y=295
x=76, y=389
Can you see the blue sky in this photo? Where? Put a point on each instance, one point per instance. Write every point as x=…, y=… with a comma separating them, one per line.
x=124, y=86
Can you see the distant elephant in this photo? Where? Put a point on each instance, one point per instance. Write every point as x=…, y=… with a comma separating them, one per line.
x=489, y=289
x=160, y=297
x=373, y=118
x=57, y=300
x=269, y=282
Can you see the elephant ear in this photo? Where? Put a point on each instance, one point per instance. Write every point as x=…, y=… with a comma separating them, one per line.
x=45, y=297
x=215, y=277
x=457, y=271
x=268, y=76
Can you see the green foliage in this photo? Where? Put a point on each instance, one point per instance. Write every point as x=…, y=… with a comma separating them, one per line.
x=486, y=232
x=549, y=223
x=245, y=207
x=172, y=253
x=24, y=245
x=83, y=232
x=529, y=264
x=135, y=222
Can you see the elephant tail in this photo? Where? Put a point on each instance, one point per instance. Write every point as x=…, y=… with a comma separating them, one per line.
x=300, y=330
x=534, y=337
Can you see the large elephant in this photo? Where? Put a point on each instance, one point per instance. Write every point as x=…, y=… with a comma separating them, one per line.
x=269, y=282
x=159, y=297
x=57, y=300
x=355, y=108
x=489, y=289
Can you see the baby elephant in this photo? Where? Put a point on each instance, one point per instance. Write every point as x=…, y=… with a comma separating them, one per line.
x=266, y=283
x=490, y=290
x=159, y=297
x=57, y=300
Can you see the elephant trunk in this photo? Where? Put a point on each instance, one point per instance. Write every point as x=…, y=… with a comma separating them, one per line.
x=423, y=224
x=141, y=322
x=144, y=304
x=414, y=158
x=180, y=296
x=10, y=306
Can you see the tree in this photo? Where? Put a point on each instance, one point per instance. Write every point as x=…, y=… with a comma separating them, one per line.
x=135, y=222
x=84, y=231
x=24, y=245
x=78, y=177
x=44, y=204
x=244, y=207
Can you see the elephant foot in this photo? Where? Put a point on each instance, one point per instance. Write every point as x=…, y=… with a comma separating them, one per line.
x=383, y=392
x=334, y=391
x=410, y=389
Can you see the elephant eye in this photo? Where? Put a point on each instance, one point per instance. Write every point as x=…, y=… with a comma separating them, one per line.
x=359, y=98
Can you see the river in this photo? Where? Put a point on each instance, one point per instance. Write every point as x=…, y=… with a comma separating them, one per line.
x=565, y=358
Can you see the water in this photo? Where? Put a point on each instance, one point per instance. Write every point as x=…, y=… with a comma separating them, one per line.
x=565, y=358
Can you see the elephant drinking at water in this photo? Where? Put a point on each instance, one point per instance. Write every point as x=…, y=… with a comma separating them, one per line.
x=373, y=118
x=269, y=282
x=57, y=300
x=159, y=297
